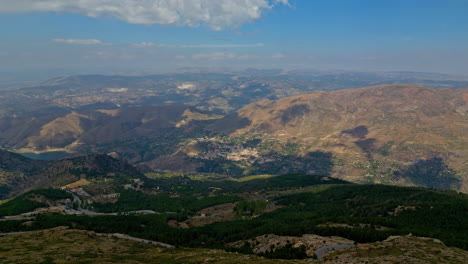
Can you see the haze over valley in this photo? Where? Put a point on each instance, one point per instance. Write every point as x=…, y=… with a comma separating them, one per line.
x=256, y=131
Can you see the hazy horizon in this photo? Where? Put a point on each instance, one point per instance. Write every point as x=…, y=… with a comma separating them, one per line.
x=50, y=38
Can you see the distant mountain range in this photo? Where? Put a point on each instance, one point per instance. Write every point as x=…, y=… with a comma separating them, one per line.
x=255, y=122
x=93, y=126
x=221, y=92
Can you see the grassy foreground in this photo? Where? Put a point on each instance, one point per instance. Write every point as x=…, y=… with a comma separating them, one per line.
x=61, y=245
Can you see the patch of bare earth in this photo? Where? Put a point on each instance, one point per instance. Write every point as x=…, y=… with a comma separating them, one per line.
x=399, y=249
x=270, y=242
x=63, y=246
x=214, y=214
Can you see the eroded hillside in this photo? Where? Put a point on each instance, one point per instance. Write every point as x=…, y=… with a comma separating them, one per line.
x=393, y=134
x=371, y=132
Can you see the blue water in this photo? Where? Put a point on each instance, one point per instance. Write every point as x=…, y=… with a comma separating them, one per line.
x=53, y=155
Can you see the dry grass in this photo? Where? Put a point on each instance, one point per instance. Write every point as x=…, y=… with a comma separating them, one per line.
x=60, y=245
x=398, y=249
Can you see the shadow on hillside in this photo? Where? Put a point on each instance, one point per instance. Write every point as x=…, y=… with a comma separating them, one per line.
x=294, y=112
x=357, y=132
x=367, y=145
x=431, y=173
x=230, y=123
x=316, y=163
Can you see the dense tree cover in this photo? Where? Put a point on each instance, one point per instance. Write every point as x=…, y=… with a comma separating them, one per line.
x=51, y=194
x=250, y=207
x=4, y=190
x=131, y=200
x=188, y=186
x=313, y=162
x=18, y=206
x=422, y=212
x=25, y=202
x=219, y=166
x=285, y=252
x=287, y=181
x=361, y=211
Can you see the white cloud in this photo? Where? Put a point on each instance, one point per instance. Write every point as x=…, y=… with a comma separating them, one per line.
x=222, y=45
x=261, y=57
x=278, y=56
x=284, y=2
x=153, y=45
x=108, y=55
x=145, y=45
x=80, y=41
x=215, y=14
x=220, y=55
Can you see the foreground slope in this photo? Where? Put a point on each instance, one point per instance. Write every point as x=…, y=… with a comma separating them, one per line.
x=399, y=249
x=390, y=133
x=280, y=217
x=61, y=245
x=361, y=213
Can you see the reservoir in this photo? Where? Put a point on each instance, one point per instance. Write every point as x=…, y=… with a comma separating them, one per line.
x=53, y=155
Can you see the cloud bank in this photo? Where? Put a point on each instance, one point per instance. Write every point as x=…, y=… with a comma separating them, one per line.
x=214, y=14
x=160, y=45
x=224, y=55
x=79, y=41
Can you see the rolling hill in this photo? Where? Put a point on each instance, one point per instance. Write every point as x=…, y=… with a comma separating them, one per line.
x=101, y=130
x=389, y=133
x=392, y=134
x=19, y=174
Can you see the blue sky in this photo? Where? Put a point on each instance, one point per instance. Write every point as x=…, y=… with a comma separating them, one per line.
x=61, y=37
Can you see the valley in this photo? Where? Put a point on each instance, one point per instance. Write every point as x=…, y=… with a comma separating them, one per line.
x=388, y=134
x=343, y=176
x=233, y=132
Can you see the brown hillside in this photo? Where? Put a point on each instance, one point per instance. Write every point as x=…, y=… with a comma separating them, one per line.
x=370, y=131
x=88, y=127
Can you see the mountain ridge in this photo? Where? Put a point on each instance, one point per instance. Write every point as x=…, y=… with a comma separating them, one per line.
x=403, y=123
x=391, y=134
x=33, y=174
